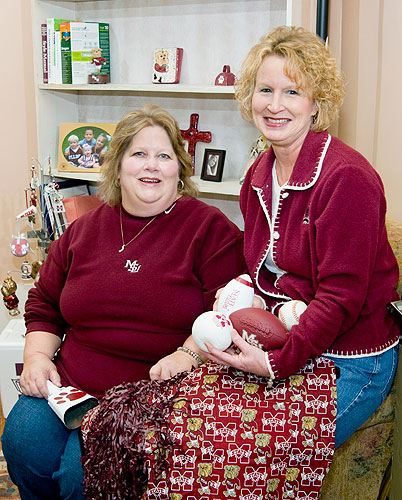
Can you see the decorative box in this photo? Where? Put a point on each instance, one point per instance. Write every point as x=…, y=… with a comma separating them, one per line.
x=167, y=65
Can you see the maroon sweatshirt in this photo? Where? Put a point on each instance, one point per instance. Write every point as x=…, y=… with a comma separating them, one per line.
x=121, y=312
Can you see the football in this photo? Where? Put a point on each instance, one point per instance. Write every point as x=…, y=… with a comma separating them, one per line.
x=259, y=327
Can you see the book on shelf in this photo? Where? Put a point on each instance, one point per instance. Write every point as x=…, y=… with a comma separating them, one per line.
x=53, y=49
x=167, y=65
x=43, y=28
x=78, y=41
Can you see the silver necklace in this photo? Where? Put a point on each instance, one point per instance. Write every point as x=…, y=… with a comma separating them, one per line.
x=124, y=245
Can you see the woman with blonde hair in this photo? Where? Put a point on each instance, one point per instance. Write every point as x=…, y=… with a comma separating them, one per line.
x=314, y=212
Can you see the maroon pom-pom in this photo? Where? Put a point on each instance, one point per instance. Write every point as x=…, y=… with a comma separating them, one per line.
x=116, y=442
x=259, y=327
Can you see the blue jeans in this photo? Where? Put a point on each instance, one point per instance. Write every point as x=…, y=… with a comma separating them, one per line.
x=43, y=456
x=362, y=386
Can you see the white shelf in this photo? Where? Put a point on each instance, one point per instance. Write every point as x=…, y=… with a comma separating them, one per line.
x=81, y=176
x=230, y=187
x=146, y=88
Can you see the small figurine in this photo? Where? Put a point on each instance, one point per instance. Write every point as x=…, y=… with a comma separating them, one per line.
x=258, y=147
x=10, y=300
x=99, y=61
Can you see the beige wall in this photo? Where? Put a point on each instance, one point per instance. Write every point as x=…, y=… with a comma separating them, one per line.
x=366, y=37
x=17, y=127
x=388, y=141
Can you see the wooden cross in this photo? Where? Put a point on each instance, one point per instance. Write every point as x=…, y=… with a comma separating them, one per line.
x=192, y=135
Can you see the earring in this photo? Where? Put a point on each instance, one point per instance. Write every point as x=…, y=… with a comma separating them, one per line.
x=180, y=185
x=315, y=117
x=117, y=183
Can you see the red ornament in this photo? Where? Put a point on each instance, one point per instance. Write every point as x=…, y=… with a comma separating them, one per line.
x=192, y=135
x=11, y=303
x=19, y=246
x=10, y=300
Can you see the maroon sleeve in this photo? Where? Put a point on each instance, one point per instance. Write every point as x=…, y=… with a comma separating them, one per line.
x=42, y=307
x=219, y=255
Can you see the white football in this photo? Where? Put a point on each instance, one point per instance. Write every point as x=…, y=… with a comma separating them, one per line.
x=290, y=312
x=237, y=294
x=214, y=327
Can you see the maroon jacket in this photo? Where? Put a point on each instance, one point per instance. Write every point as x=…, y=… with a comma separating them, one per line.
x=122, y=312
x=330, y=238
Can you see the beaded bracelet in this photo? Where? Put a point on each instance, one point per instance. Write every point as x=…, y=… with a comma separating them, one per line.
x=196, y=356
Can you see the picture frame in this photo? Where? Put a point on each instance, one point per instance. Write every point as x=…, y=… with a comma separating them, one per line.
x=74, y=160
x=212, y=165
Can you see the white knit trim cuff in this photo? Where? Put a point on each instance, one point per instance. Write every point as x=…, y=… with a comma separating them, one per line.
x=270, y=371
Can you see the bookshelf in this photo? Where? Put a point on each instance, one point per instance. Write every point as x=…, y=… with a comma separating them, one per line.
x=212, y=33
x=147, y=88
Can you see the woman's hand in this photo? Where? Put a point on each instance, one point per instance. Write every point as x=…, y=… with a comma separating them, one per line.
x=171, y=365
x=38, y=368
x=246, y=357
x=39, y=350
x=177, y=362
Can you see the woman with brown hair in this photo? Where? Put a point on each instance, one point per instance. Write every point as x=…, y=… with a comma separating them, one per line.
x=117, y=296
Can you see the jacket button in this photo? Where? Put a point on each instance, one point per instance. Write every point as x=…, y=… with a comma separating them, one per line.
x=285, y=194
x=276, y=235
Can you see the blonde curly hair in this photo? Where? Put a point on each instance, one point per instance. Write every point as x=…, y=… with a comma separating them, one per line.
x=131, y=123
x=309, y=63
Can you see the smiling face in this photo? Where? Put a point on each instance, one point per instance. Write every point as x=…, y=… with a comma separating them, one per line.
x=89, y=134
x=100, y=141
x=149, y=173
x=281, y=112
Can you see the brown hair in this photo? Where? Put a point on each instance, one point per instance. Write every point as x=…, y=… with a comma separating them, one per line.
x=309, y=64
x=134, y=121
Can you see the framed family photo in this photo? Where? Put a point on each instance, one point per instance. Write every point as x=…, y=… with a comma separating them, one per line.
x=82, y=146
x=212, y=166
